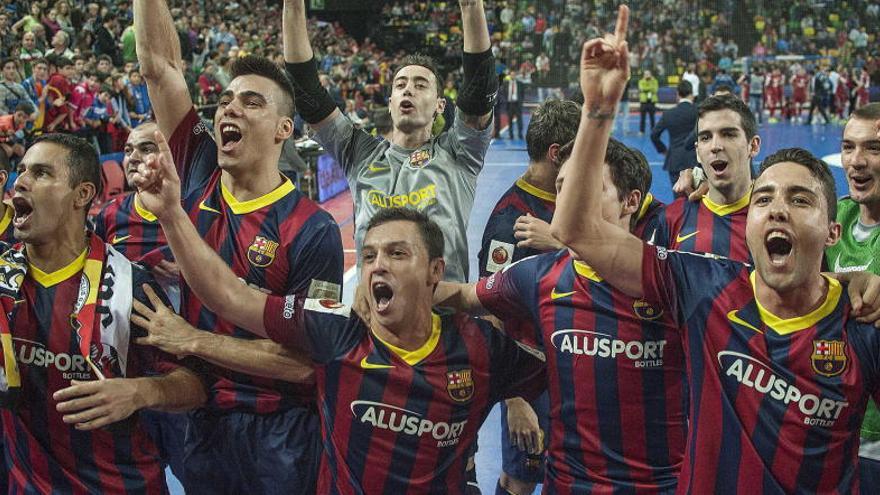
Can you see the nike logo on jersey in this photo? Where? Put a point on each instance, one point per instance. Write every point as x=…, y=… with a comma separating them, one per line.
x=845, y=269
x=117, y=239
x=681, y=238
x=204, y=207
x=376, y=168
x=370, y=366
x=739, y=321
x=559, y=295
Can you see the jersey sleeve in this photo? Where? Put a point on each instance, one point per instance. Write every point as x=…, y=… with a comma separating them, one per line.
x=318, y=257
x=469, y=145
x=349, y=145
x=194, y=152
x=323, y=328
x=498, y=247
x=511, y=294
x=657, y=230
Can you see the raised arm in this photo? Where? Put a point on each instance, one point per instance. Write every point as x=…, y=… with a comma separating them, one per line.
x=312, y=101
x=479, y=88
x=158, y=53
x=612, y=251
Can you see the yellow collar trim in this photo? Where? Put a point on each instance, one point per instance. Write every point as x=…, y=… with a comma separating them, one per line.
x=413, y=357
x=724, y=210
x=7, y=218
x=649, y=198
x=534, y=190
x=791, y=325
x=584, y=270
x=245, y=207
x=60, y=275
x=143, y=212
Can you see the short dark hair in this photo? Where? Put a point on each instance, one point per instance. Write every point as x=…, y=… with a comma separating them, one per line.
x=8, y=61
x=629, y=172
x=82, y=159
x=63, y=62
x=38, y=61
x=554, y=122
x=723, y=88
x=685, y=88
x=104, y=57
x=24, y=106
x=871, y=111
x=425, y=61
x=731, y=102
x=818, y=169
x=431, y=234
x=263, y=67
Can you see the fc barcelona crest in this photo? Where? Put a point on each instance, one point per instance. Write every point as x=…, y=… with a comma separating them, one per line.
x=419, y=158
x=829, y=357
x=646, y=311
x=262, y=251
x=460, y=385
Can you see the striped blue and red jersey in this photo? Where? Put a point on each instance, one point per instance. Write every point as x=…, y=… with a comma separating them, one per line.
x=7, y=233
x=398, y=421
x=704, y=227
x=45, y=455
x=615, y=372
x=280, y=243
x=648, y=217
x=132, y=230
x=498, y=248
x=776, y=404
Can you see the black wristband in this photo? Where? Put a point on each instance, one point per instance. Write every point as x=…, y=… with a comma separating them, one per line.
x=479, y=89
x=312, y=101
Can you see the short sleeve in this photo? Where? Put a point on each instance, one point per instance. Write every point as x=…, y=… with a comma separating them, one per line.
x=323, y=328
x=511, y=294
x=498, y=247
x=194, y=152
x=318, y=256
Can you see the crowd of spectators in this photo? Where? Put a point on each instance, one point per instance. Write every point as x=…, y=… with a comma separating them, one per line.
x=71, y=66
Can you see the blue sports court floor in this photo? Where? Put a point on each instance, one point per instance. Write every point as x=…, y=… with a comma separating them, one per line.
x=507, y=160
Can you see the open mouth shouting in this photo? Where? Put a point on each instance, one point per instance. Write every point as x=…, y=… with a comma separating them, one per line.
x=718, y=166
x=23, y=210
x=779, y=247
x=407, y=106
x=230, y=136
x=861, y=182
x=383, y=294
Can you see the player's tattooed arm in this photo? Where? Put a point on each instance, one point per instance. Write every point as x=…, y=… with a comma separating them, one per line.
x=578, y=223
x=170, y=333
x=99, y=403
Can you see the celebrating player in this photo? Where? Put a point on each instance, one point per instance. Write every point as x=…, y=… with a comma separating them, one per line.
x=273, y=238
x=411, y=169
x=72, y=369
x=401, y=400
x=779, y=369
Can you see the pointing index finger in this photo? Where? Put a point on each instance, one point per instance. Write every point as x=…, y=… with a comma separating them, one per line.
x=622, y=23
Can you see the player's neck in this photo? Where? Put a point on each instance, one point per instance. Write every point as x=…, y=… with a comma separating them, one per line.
x=247, y=185
x=410, y=140
x=730, y=195
x=799, y=301
x=411, y=333
x=64, y=247
x=542, y=175
x=869, y=214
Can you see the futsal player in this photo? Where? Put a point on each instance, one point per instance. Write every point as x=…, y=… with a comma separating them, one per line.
x=727, y=141
x=411, y=169
x=72, y=371
x=6, y=228
x=859, y=247
x=401, y=400
x=779, y=370
x=256, y=433
x=615, y=364
x=135, y=233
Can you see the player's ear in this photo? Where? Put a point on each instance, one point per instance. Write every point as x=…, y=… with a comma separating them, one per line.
x=754, y=146
x=4, y=176
x=833, y=234
x=632, y=203
x=437, y=267
x=284, y=129
x=84, y=193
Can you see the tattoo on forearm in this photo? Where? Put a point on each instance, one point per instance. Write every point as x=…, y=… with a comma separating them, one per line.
x=596, y=114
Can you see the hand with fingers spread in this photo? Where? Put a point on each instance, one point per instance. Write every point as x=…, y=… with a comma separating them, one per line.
x=604, y=69
x=156, y=180
x=165, y=330
x=523, y=427
x=534, y=233
x=96, y=404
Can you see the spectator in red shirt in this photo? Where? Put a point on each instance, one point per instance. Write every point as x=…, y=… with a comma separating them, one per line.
x=58, y=94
